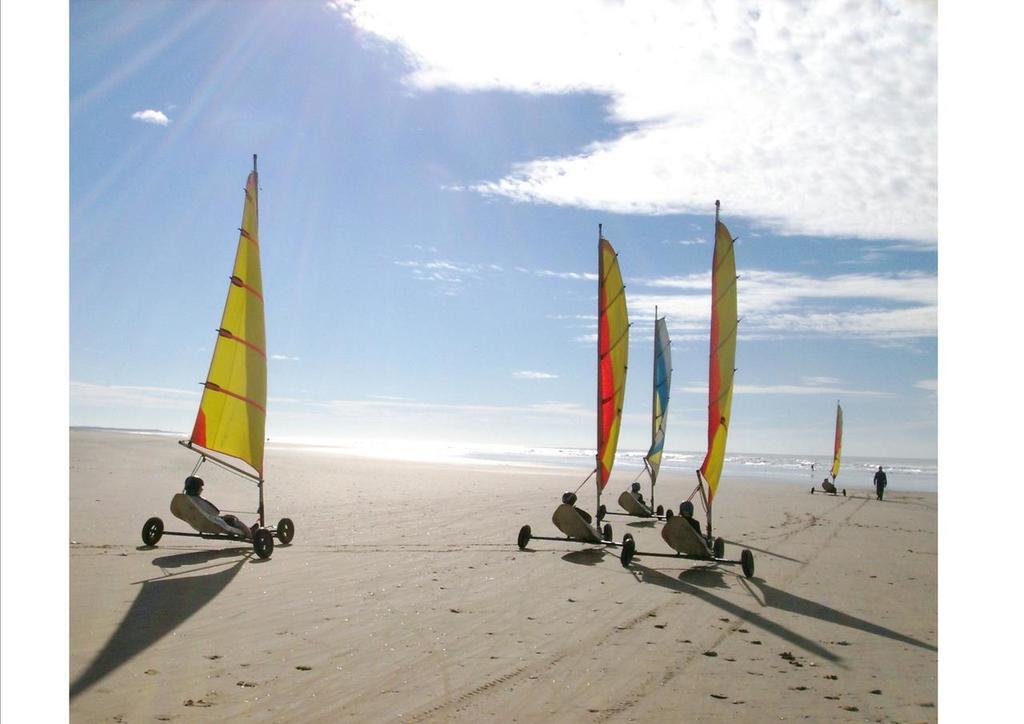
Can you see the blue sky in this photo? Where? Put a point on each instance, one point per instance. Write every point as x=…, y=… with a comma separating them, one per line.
x=430, y=194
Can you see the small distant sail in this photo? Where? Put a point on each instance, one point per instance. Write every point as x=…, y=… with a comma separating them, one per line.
x=612, y=357
x=233, y=410
x=839, y=441
x=662, y=385
x=723, y=355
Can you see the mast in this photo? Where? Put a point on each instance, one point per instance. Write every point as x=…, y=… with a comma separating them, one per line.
x=256, y=192
x=597, y=453
x=654, y=403
x=707, y=498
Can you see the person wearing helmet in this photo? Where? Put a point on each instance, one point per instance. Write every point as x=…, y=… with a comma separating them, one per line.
x=194, y=489
x=686, y=510
x=635, y=490
x=569, y=498
x=828, y=486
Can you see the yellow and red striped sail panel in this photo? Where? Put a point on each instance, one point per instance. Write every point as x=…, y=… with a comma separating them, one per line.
x=839, y=442
x=233, y=410
x=612, y=358
x=723, y=356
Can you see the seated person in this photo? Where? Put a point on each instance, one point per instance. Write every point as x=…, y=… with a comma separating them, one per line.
x=194, y=489
x=686, y=510
x=827, y=486
x=569, y=498
x=635, y=490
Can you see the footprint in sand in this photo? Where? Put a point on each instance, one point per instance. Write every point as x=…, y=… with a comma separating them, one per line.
x=246, y=684
x=151, y=672
x=213, y=657
x=197, y=702
x=303, y=667
x=718, y=696
x=876, y=691
x=711, y=653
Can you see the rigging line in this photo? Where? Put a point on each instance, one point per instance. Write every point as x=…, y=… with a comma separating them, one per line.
x=585, y=480
x=231, y=470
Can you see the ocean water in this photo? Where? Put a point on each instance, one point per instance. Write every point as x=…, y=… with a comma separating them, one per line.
x=903, y=473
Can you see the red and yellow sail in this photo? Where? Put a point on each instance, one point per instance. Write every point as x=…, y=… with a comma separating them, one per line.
x=233, y=410
x=612, y=358
x=723, y=355
x=839, y=442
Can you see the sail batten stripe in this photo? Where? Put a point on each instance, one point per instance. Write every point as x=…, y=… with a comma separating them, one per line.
x=228, y=335
x=239, y=283
x=214, y=387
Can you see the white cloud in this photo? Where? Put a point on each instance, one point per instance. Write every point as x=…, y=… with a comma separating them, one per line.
x=133, y=396
x=531, y=375
x=790, y=390
x=150, y=116
x=930, y=385
x=810, y=118
x=584, y=276
x=284, y=357
x=780, y=304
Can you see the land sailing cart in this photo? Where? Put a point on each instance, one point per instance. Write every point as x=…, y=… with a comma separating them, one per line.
x=232, y=412
x=679, y=532
x=612, y=358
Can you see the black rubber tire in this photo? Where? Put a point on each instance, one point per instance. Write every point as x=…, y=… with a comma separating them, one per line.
x=627, y=537
x=747, y=562
x=263, y=543
x=660, y=510
x=285, y=531
x=607, y=531
x=602, y=511
x=812, y=491
x=525, y=533
x=668, y=515
x=628, y=550
x=152, y=531
x=719, y=547
x=844, y=492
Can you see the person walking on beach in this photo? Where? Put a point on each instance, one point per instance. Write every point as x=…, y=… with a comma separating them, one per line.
x=880, y=482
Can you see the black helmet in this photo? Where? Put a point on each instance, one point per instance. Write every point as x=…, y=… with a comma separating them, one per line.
x=636, y=487
x=569, y=497
x=686, y=508
x=193, y=485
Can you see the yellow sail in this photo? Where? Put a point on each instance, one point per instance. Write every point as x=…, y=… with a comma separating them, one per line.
x=723, y=355
x=839, y=442
x=612, y=358
x=233, y=410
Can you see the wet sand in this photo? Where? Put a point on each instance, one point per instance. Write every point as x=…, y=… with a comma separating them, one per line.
x=404, y=597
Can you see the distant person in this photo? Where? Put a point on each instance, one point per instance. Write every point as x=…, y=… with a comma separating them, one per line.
x=686, y=510
x=880, y=482
x=194, y=489
x=635, y=490
x=569, y=498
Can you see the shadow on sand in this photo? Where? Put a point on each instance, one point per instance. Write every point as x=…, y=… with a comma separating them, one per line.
x=585, y=557
x=162, y=605
x=694, y=582
x=776, y=598
x=738, y=544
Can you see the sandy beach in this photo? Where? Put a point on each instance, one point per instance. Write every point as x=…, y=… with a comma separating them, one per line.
x=404, y=597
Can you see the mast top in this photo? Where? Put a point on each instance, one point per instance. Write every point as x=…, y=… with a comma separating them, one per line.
x=254, y=163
